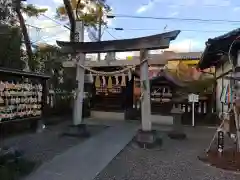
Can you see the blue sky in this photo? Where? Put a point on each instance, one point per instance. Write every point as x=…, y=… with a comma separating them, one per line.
x=187, y=40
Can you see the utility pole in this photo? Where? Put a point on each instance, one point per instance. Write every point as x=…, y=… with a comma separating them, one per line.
x=78, y=104
x=190, y=45
x=100, y=29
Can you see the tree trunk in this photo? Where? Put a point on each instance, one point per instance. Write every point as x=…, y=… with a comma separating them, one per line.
x=70, y=14
x=27, y=41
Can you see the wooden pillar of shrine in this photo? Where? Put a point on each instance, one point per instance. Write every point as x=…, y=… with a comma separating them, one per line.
x=129, y=99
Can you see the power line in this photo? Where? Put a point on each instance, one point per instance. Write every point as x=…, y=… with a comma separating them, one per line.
x=50, y=36
x=203, y=5
x=52, y=26
x=40, y=28
x=173, y=19
x=55, y=21
x=110, y=34
x=202, y=31
x=49, y=27
x=149, y=29
x=32, y=26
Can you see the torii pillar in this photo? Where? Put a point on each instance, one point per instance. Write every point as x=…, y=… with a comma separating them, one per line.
x=145, y=92
x=146, y=136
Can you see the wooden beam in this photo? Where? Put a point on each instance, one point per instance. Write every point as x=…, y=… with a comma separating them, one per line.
x=23, y=73
x=154, y=59
x=159, y=41
x=104, y=63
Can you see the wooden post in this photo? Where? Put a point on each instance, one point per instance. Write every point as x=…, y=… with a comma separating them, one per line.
x=145, y=92
x=40, y=123
x=128, y=99
x=220, y=142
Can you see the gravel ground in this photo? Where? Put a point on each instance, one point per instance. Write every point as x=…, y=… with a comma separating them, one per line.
x=41, y=147
x=175, y=160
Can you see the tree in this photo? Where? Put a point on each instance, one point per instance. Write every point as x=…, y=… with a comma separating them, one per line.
x=203, y=85
x=91, y=12
x=50, y=60
x=7, y=13
x=31, y=11
x=68, y=10
x=10, y=38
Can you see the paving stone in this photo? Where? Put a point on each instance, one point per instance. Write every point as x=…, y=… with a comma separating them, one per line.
x=84, y=161
x=176, y=160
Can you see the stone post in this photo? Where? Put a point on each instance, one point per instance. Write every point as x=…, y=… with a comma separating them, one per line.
x=177, y=131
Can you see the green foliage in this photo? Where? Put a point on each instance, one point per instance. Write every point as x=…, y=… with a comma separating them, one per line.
x=31, y=10
x=91, y=17
x=49, y=61
x=201, y=87
x=11, y=40
x=10, y=49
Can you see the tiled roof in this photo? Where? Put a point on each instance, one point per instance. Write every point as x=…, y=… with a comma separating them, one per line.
x=216, y=47
x=167, y=76
x=235, y=32
x=23, y=73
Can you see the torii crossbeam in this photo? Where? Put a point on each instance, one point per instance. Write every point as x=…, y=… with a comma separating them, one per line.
x=158, y=41
x=142, y=44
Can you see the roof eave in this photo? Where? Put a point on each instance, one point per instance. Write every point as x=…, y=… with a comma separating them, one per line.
x=23, y=73
x=213, y=47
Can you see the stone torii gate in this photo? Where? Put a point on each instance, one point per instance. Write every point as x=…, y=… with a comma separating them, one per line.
x=142, y=44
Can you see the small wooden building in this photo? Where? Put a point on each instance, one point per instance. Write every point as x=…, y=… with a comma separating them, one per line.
x=217, y=53
x=109, y=93
x=163, y=92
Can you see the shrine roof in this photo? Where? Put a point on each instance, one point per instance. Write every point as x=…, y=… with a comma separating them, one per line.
x=23, y=73
x=158, y=41
x=166, y=76
x=217, y=47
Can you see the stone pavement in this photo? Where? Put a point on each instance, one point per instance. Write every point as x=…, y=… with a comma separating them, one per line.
x=43, y=147
x=175, y=160
x=86, y=160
